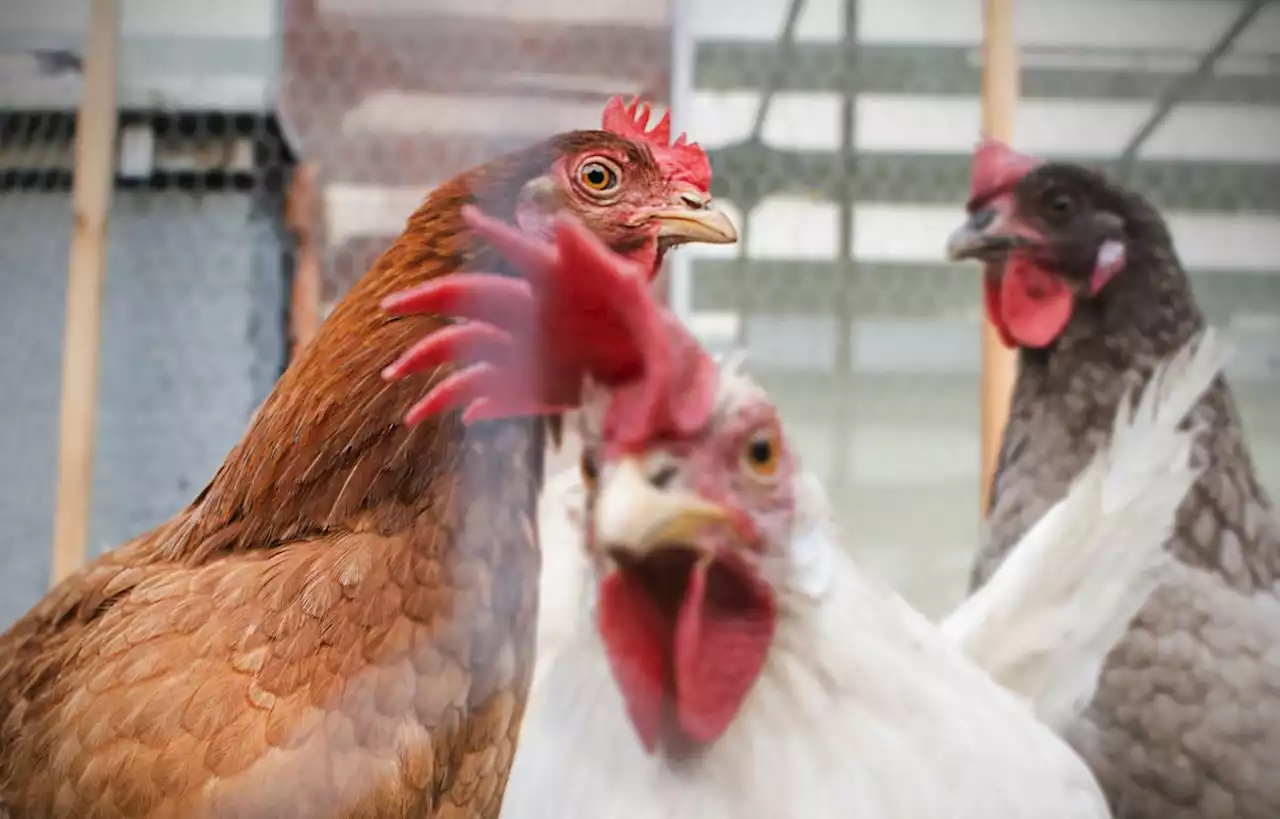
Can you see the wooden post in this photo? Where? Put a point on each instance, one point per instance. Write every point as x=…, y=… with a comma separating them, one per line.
x=999, y=99
x=91, y=201
x=301, y=214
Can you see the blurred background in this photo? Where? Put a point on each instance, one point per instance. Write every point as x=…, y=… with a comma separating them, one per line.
x=268, y=150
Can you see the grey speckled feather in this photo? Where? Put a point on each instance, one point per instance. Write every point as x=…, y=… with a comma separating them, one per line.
x=1186, y=723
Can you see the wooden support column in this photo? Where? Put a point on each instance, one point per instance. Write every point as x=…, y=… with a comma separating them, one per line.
x=999, y=101
x=91, y=200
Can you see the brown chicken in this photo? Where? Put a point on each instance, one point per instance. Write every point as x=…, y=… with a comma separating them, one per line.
x=1083, y=279
x=342, y=623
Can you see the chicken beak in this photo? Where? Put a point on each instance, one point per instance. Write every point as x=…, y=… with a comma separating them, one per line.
x=985, y=235
x=693, y=218
x=633, y=515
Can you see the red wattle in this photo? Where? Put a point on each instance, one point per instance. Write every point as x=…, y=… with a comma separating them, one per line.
x=637, y=643
x=1029, y=306
x=720, y=649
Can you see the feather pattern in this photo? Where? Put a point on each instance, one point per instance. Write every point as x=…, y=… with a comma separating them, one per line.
x=1049, y=617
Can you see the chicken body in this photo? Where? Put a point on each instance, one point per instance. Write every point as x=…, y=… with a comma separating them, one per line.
x=865, y=709
x=342, y=623
x=1186, y=723
x=338, y=626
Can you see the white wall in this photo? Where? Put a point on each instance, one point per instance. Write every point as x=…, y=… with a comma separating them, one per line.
x=189, y=54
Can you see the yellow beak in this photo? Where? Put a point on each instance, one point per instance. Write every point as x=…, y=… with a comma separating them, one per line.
x=691, y=218
x=632, y=514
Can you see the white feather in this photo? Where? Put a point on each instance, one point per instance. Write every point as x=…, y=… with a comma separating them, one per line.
x=1046, y=621
x=864, y=709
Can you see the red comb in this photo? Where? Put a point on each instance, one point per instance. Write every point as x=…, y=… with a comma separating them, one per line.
x=996, y=169
x=581, y=310
x=675, y=395
x=681, y=160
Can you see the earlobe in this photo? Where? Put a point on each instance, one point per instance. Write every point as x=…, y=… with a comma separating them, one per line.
x=1109, y=261
x=536, y=207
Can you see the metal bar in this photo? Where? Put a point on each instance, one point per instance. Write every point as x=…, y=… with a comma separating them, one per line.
x=678, y=285
x=743, y=301
x=727, y=65
x=999, y=100
x=847, y=185
x=1183, y=85
x=786, y=40
x=91, y=201
x=1212, y=185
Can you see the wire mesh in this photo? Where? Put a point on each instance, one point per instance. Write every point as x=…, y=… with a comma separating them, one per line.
x=844, y=186
x=197, y=268
x=389, y=99
x=192, y=321
x=841, y=131
x=215, y=231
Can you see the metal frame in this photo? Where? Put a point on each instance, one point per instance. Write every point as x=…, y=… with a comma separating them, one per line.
x=680, y=96
x=1185, y=84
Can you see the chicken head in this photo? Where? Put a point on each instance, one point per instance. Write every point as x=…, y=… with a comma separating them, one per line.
x=642, y=195
x=1051, y=234
x=690, y=532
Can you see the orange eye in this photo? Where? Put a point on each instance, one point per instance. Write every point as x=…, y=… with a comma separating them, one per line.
x=598, y=176
x=762, y=453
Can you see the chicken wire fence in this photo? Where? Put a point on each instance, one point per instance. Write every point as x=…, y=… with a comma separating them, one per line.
x=257, y=136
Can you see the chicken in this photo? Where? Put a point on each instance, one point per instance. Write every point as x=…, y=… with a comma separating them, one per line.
x=341, y=624
x=1042, y=633
x=1083, y=279
x=732, y=661
x=1050, y=616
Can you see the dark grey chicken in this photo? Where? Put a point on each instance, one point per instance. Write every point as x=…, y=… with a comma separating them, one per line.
x=1082, y=277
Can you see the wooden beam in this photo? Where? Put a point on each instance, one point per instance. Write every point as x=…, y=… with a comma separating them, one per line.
x=999, y=100
x=91, y=199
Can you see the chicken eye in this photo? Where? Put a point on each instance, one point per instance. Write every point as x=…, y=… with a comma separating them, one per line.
x=1060, y=204
x=762, y=453
x=598, y=176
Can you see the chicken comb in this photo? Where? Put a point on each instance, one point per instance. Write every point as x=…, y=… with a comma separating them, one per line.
x=580, y=309
x=674, y=396
x=996, y=169
x=681, y=160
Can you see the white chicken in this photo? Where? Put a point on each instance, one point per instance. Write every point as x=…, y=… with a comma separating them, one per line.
x=729, y=658
x=850, y=703
x=1081, y=573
